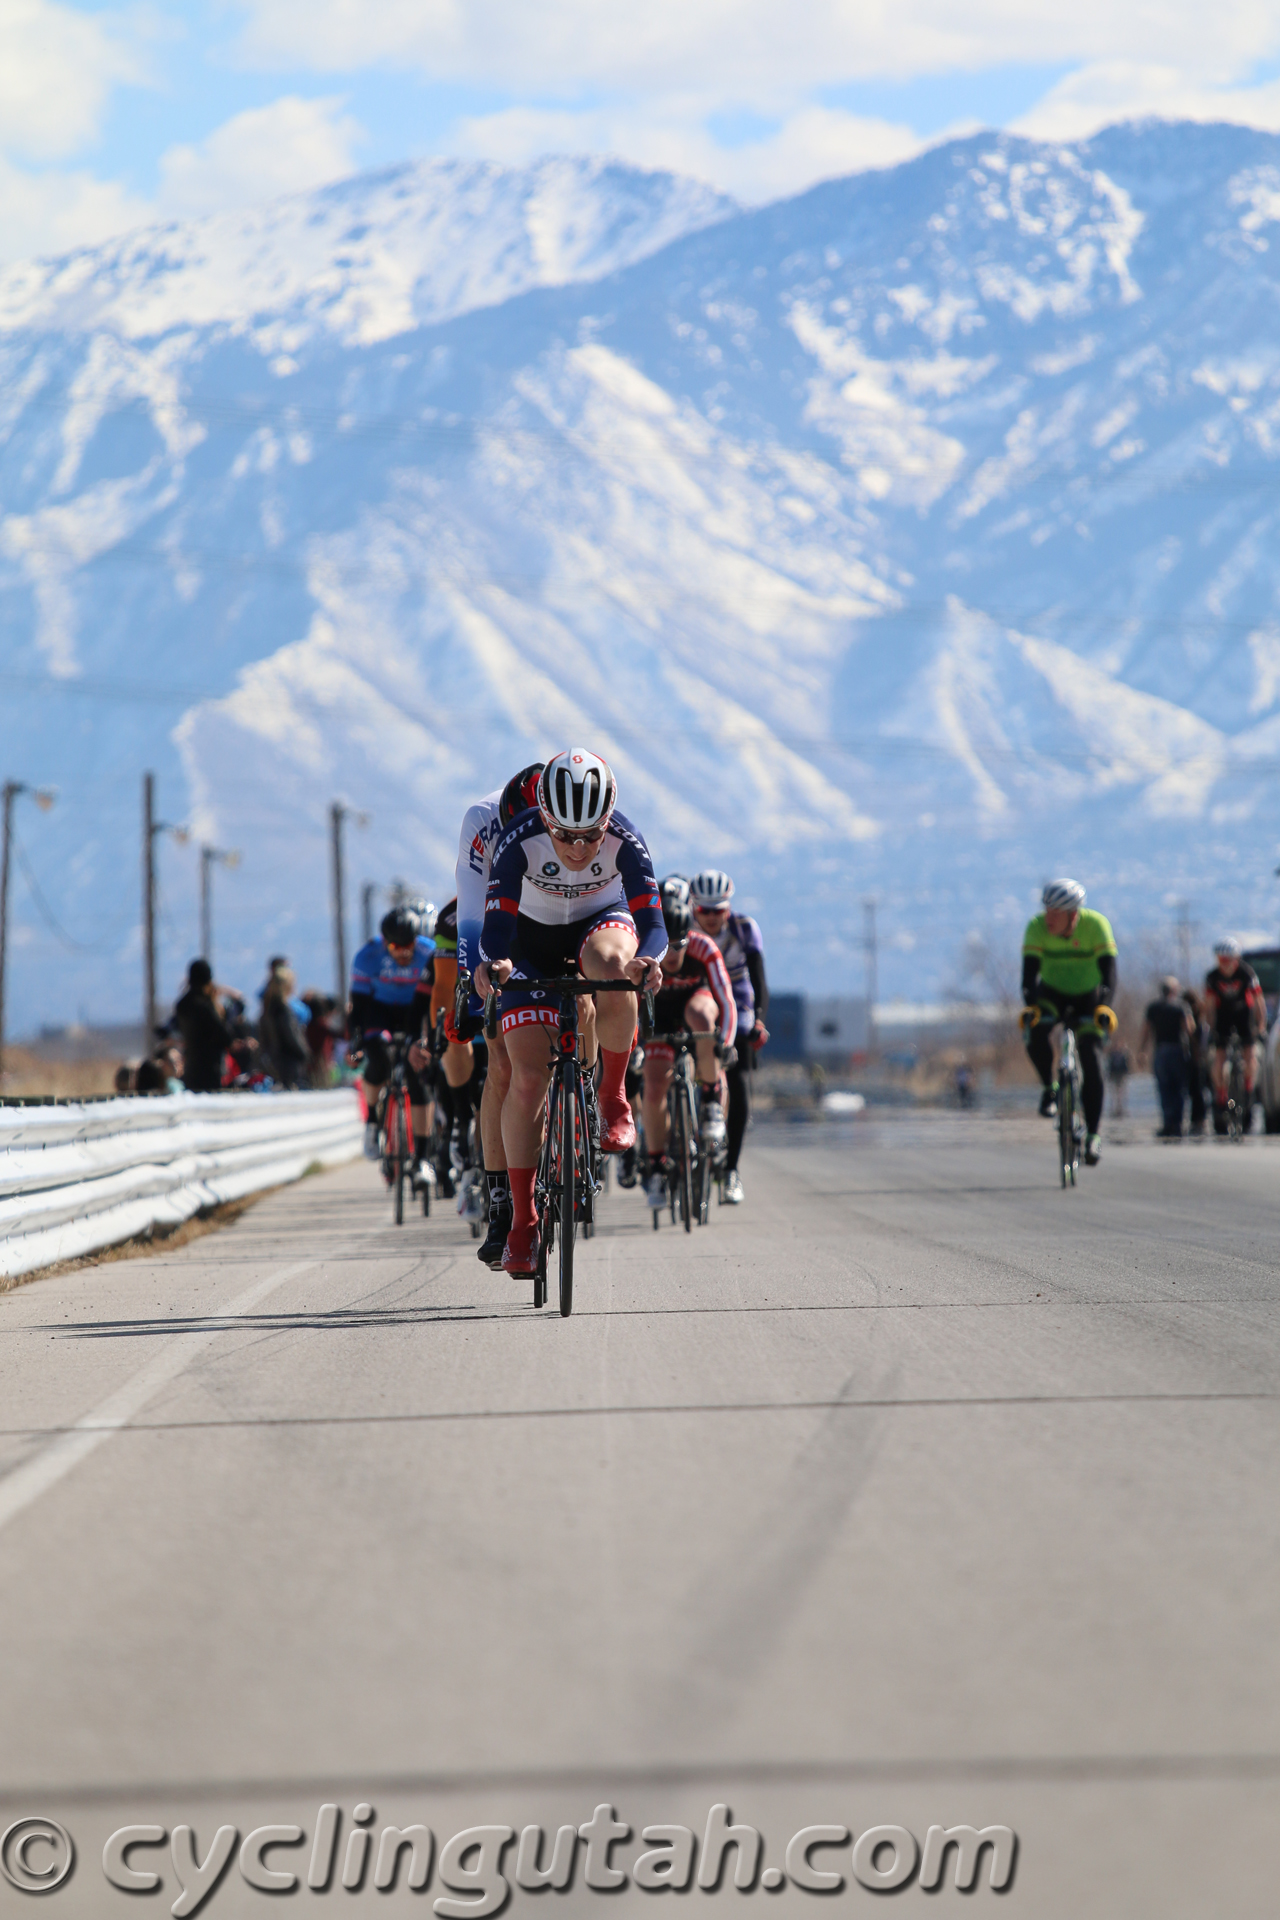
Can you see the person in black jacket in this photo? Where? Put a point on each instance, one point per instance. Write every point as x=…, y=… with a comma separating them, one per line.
x=205, y=1033
x=1168, y=1028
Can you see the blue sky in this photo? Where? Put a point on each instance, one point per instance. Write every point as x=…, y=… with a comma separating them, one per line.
x=111, y=117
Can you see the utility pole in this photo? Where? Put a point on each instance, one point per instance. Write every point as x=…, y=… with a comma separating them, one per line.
x=338, y=812
x=209, y=857
x=149, y=907
x=1186, y=925
x=150, y=828
x=44, y=798
x=869, y=949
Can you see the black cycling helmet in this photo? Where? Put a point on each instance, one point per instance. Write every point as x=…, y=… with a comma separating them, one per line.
x=677, y=913
x=400, y=927
x=520, y=793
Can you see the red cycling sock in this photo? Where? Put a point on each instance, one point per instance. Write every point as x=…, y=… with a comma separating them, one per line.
x=522, y=1209
x=613, y=1074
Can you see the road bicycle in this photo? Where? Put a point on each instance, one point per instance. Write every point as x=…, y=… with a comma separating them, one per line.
x=570, y=1173
x=1237, y=1098
x=1070, y=1095
x=691, y=1171
x=1070, y=1089
x=395, y=1129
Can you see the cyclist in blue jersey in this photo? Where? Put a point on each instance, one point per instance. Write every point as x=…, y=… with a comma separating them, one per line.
x=571, y=888
x=738, y=938
x=391, y=993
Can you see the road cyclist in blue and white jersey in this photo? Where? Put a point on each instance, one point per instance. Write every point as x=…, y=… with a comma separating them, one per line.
x=391, y=993
x=482, y=826
x=571, y=888
x=739, y=940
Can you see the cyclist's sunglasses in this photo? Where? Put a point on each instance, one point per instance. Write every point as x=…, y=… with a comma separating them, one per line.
x=591, y=839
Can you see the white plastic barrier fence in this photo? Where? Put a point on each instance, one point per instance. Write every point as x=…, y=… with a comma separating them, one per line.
x=74, y=1179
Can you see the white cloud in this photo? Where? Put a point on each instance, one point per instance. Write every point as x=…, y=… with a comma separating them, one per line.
x=811, y=144
x=258, y=154
x=52, y=212
x=1099, y=95
x=762, y=52
x=57, y=67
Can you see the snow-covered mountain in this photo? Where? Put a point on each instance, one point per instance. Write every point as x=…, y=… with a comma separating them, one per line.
x=912, y=537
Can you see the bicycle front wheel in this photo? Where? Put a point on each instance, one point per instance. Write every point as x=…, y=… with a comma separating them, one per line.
x=684, y=1155
x=1066, y=1131
x=399, y=1152
x=568, y=1196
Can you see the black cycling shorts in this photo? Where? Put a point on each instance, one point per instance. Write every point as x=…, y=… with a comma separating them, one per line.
x=377, y=1069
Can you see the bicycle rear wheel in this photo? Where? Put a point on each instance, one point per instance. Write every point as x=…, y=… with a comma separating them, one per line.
x=1235, y=1097
x=568, y=1197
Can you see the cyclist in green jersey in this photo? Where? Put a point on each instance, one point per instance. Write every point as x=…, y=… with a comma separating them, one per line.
x=1069, y=964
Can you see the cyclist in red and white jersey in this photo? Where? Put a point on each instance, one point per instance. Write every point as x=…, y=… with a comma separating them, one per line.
x=738, y=937
x=696, y=993
x=571, y=888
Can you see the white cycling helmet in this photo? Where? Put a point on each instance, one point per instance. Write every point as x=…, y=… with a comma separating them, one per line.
x=711, y=889
x=1063, y=896
x=1228, y=949
x=576, y=791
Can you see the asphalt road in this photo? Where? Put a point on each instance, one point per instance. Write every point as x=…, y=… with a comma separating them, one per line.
x=913, y=1492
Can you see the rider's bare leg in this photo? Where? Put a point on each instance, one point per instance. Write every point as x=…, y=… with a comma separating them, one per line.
x=653, y=1104
x=700, y=1017
x=529, y=1052
x=604, y=957
x=496, y=1086
x=459, y=1061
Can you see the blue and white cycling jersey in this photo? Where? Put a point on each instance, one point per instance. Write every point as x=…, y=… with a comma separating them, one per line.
x=376, y=972
x=529, y=877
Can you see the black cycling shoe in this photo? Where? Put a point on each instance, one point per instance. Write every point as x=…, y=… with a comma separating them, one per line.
x=1049, y=1103
x=489, y=1252
x=1220, y=1120
x=627, y=1168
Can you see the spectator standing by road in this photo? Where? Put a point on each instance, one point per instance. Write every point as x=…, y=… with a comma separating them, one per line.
x=320, y=1034
x=1167, y=1030
x=206, y=1035
x=282, y=1028
x=1119, y=1066
x=1198, y=1061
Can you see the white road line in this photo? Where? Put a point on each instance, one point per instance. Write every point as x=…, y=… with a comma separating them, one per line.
x=66, y=1450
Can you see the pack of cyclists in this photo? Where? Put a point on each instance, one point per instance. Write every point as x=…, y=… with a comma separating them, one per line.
x=1069, y=973
x=552, y=879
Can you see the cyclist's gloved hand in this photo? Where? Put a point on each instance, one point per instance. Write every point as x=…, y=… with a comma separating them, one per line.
x=1104, y=1018
x=759, y=1035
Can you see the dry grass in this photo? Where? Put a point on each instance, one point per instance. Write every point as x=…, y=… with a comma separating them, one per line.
x=159, y=1240
x=26, y=1072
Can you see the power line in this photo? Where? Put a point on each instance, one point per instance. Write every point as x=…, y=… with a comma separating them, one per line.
x=51, y=919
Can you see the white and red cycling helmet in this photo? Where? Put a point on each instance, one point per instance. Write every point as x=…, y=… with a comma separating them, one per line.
x=577, y=792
